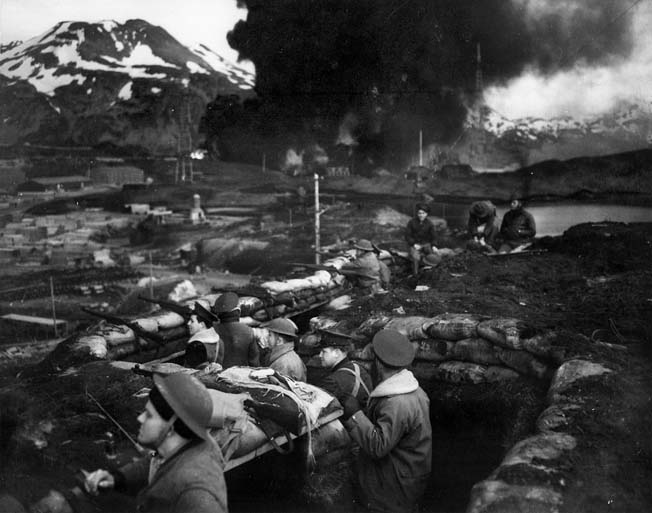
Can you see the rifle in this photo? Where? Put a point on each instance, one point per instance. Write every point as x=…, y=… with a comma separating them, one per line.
x=318, y=267
x=119, y=321
x=182, y=310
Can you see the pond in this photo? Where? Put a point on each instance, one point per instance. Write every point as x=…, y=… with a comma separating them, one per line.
x=551, y=218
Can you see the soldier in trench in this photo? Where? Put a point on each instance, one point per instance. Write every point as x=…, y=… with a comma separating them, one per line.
x=238, y=339
x=367, y=271
x=186, y=470
x=204, y=349
x=393, y=431
x=345, y=377
x=281, y=355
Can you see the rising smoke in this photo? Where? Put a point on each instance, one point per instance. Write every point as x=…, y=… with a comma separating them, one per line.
x=399, y=66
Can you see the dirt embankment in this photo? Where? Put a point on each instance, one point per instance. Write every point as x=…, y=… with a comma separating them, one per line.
x=591, y=286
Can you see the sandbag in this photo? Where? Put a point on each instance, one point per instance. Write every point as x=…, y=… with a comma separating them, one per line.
x=337, y=262
x=523, y=362
x=95, y=345
x=226, y=407
x=433, y=350
x=372, y=325
x=288, y=403
x=260, y=315
x=117, y=335
x=460, y=372
x=364, y=354
x=543, y=345
x=453, y=326
x=412, y=327
x=554, y=417
x=475, y=350
x=167, y=320
x=148, y=324
x=506, y=332
x=321, y=322
x=339, y=303
x=497, y=373
x=249, y=304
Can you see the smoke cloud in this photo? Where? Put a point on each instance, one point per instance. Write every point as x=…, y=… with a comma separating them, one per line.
x=400, y=66
x=585, y=90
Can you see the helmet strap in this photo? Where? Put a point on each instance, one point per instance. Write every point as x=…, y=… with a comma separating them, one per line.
x=166, y=430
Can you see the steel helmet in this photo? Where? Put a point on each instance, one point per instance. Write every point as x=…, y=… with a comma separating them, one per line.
x=364, y=245
x=189, y=399
x=393, y=348
x=282, y=327
x=226, y=302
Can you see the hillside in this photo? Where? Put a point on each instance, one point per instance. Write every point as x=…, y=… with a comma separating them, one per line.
x=623, y=174
x=128, y=84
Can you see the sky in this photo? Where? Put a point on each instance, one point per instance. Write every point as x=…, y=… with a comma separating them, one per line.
x=581, y=92
x=584, y=91
x=188, y=21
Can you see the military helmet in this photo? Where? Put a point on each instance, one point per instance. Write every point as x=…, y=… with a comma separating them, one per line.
x=189, y=399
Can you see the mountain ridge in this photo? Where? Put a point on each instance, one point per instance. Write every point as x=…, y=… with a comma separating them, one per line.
x=127, y=84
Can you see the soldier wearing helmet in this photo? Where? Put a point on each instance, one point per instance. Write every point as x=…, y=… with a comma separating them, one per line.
x=237, y=339
x=393, y=431
x=185, y=471
x=281, y=355
x=365, y=270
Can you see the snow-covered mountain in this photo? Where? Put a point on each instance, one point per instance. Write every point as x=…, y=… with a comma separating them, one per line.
x=632, y=118
x=126, y=84
x=493, y=142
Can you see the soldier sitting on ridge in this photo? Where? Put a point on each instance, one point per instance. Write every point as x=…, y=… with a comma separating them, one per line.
x=420, y=236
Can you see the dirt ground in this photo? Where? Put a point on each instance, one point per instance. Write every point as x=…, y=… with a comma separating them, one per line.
x=591, y=286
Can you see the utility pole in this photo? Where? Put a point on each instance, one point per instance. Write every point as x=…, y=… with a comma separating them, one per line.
x=54, y=313
x=184, y=137
x=317, y=221
x=421, y=147
x=479, y=86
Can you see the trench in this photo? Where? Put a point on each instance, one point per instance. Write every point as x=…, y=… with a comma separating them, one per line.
x=473, y=427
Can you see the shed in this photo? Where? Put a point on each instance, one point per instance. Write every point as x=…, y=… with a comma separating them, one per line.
x=54, y=183
x=117, y=175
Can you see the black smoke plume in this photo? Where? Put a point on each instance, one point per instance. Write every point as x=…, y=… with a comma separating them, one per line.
x=400, y=66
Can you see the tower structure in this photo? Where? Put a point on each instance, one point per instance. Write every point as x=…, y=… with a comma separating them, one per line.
x=479, y=88
x=184, y=139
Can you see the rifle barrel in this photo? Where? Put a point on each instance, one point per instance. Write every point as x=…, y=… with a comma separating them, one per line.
x=110, y=417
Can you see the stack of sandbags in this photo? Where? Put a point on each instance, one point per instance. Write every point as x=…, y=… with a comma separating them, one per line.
x=272, y=299
x=469, y=348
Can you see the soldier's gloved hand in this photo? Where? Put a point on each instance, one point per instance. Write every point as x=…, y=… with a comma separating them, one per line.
x=350, y=405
